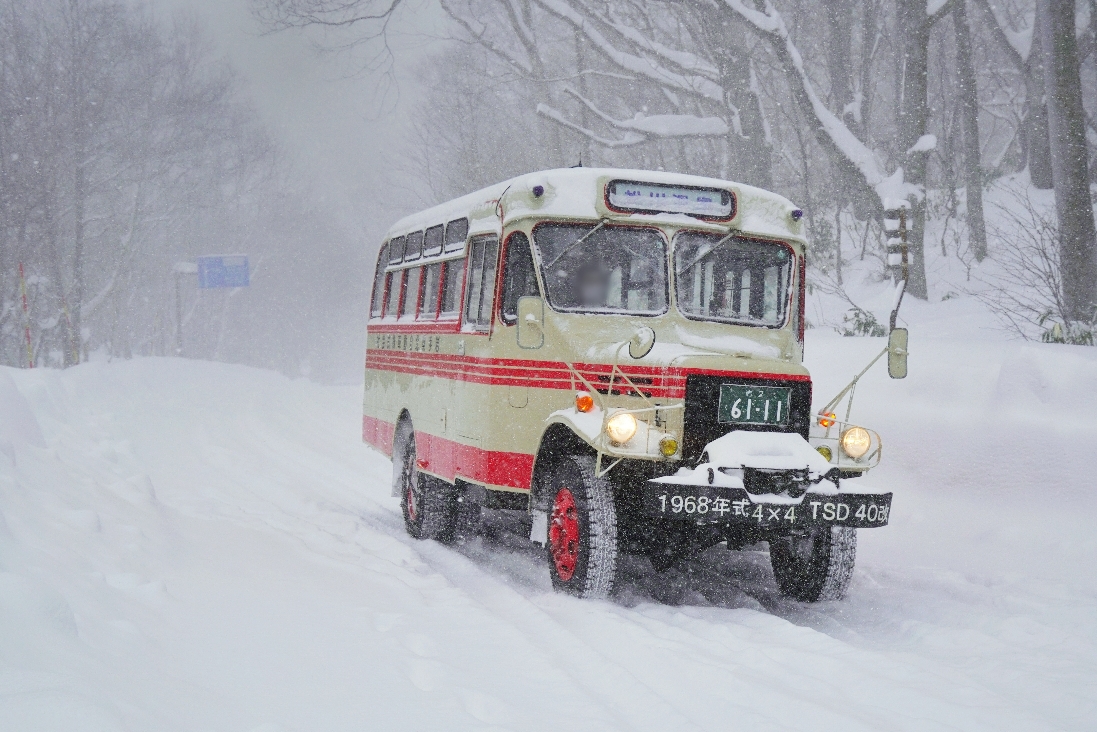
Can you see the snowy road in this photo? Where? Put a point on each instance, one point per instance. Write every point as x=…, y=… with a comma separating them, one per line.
x=194, y=546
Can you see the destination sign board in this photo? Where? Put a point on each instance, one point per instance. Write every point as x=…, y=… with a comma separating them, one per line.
x=708, y=203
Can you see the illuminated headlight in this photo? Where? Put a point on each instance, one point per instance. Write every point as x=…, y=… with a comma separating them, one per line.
x=621, y=427
x=855, y=442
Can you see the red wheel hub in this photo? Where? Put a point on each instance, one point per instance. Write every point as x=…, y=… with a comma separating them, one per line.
x=564, y=534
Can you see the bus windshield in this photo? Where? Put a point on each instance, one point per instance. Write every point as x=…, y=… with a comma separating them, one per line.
x=598, y=268
x=732, y=279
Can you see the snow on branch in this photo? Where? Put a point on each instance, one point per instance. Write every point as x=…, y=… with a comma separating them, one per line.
x=640, y=128
x=687, y=61
x=639, y=65
x=630, y=138
x=660, y=125
x=835, y=136
x=478, y=32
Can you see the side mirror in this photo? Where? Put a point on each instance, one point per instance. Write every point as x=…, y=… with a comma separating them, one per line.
x=897, y=353
x=642, y=342
x=531, y=322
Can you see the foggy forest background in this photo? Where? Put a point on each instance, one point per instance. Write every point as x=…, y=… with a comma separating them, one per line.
x=128, y=143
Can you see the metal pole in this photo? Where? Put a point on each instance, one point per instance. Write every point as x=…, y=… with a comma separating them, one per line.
x=26, y=317
x=178, y=318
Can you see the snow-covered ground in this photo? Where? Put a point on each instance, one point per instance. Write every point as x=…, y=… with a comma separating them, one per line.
x=196, y=546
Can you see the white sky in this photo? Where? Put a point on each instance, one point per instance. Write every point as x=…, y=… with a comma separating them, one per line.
x=326, y=118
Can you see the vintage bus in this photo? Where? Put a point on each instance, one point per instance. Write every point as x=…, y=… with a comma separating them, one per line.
x=618, y=353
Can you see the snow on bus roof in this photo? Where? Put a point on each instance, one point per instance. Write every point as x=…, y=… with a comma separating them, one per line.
x=574, y=193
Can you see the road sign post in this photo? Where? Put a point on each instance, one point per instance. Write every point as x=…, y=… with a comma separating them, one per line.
x=213, y=272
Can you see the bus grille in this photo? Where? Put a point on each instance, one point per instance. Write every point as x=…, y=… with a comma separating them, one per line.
x=703, y=396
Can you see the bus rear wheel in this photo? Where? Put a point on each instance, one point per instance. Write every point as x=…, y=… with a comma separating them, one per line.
x=582, y=531
x=814, y=566
x=429, y=504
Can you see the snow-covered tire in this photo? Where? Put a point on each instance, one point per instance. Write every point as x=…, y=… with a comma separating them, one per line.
x=429, y=504
x=815, y=567
x=582, y=531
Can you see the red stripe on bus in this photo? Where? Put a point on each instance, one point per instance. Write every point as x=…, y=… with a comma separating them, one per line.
x=449, y=459
x=665, y=382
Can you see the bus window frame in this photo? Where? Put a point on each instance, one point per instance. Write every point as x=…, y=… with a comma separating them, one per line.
x=393, y=246
x=380, y=277
x=390, y=276
x=474, y=327
x=796, y=268
x=668, y=282
x=453, y=316
x=501, y=275
x=422, y=316
x=453, y=247
x=414, y=314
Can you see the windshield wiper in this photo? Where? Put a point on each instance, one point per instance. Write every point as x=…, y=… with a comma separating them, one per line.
x=575, y=243
x=715, y=246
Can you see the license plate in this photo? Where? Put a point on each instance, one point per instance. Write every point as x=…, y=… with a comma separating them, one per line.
x=733, y=505
x=740, y=404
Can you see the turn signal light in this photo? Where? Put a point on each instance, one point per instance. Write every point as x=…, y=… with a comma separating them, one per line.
x=827, y=419
x=825, y=452
x=584, y=402
x=668, y=446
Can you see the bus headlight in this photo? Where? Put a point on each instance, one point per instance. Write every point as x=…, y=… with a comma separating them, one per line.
x=621, y=427
x=855, y=442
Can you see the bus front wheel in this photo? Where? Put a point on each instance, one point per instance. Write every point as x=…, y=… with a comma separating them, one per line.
x=429, y=504
x=582, y=530
x=814, y=566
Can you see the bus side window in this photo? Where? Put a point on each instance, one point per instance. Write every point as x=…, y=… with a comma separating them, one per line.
x=378, y=303
x=396, y=250
x=518, y=277
x=483, y=255
x=395, y=280
x=456, y=233
x=411, y=292
x=431, y=291
x=454, y=270
x=432, y=241
x=414, y=248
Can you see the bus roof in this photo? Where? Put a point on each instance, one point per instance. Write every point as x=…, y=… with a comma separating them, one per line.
x=576, y=193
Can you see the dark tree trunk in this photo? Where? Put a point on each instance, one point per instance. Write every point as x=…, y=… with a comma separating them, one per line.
x=838, y=50
x=913, y=118
x=969, y=105
x=749, y=149
x=1069, y=160
x=1035, y=132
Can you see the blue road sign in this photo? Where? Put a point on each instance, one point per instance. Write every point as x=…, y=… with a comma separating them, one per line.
x=223, y=271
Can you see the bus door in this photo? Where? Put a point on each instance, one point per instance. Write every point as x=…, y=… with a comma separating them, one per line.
x=519, y=280
x=474, y=402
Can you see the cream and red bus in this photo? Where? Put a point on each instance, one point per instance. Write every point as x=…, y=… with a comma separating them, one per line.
x=618, y=353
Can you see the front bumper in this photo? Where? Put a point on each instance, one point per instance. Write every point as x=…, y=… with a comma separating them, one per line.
x=715, y=504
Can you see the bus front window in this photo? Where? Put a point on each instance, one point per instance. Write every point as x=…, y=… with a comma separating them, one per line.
x=732, y=279
x=603, y=269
